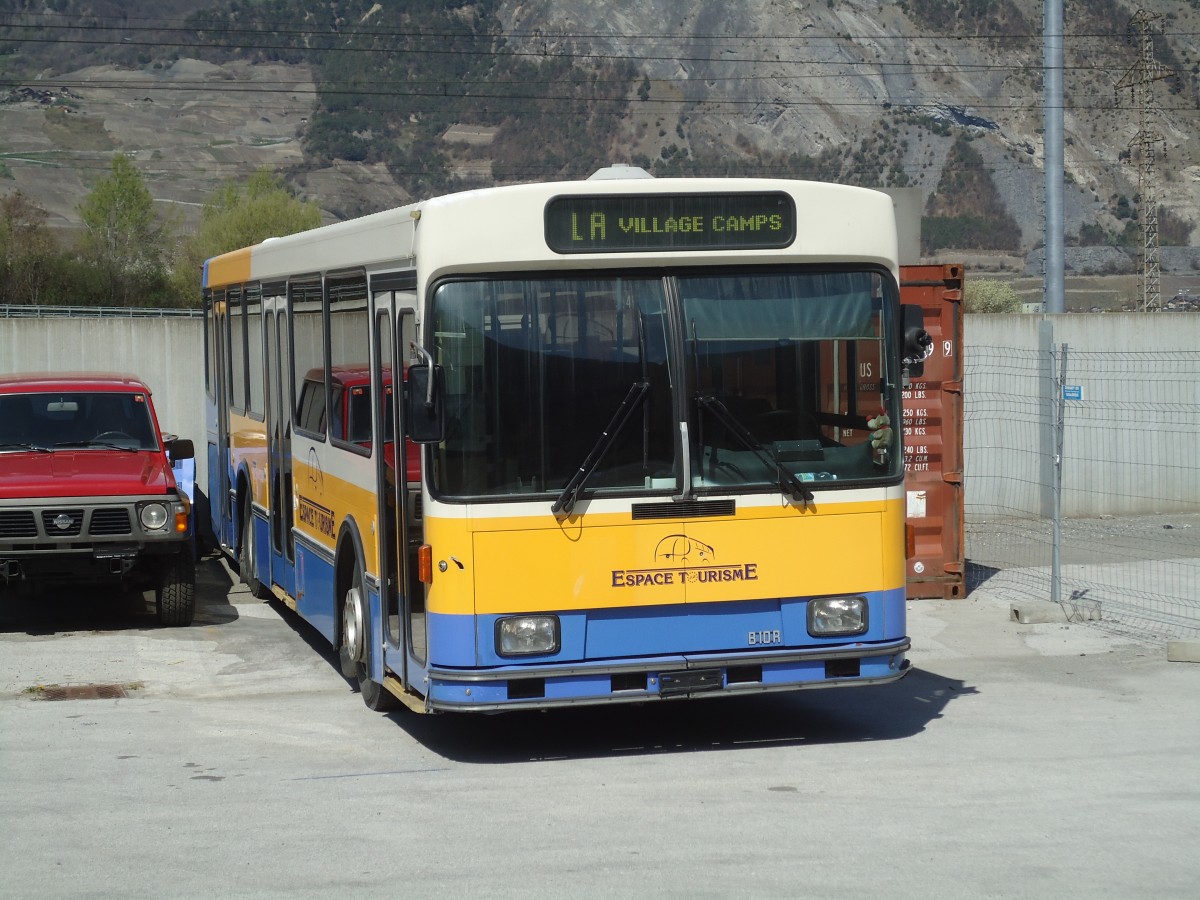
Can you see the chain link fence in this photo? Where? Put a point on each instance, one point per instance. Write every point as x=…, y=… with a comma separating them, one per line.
x=1083, y=479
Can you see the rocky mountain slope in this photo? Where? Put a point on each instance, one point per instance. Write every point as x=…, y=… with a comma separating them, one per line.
x=814, y=76
x=941, y=95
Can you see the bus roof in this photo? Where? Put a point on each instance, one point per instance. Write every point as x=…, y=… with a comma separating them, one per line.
x=505, y=229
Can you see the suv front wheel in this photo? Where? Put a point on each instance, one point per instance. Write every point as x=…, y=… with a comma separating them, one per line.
x=175, y=598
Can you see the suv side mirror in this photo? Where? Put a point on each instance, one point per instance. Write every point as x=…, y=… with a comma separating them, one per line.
x=915, y=342
x=424, y=404
x=180, y=448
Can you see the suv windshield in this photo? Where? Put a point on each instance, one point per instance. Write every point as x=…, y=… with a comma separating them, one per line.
x=76, y=419
x=765, y=379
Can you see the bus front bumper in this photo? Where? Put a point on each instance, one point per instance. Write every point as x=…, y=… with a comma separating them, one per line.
x=663, y=678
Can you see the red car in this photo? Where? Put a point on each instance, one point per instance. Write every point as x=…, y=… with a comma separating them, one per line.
x=87, y=493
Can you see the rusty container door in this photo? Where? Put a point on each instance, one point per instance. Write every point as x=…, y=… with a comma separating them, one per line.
x=933, y=436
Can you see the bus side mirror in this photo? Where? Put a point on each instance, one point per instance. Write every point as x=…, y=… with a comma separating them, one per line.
x=915, y=342
x=424, y=404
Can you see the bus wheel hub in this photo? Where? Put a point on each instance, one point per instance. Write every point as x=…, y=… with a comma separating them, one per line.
x=352, y=625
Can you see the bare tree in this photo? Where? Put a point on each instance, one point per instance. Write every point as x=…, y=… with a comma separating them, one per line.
x=27, y=251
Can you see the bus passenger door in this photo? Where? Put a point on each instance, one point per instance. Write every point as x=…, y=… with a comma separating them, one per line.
x=278, y=428
x=220, y=504
x=387, y=368
x=408, y=460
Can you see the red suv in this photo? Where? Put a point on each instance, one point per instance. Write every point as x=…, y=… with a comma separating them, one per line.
x=351, y=420
x=87, y=493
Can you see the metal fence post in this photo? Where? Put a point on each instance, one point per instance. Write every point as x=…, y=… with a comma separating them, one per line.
x=1046, y=438
x=1060, y=405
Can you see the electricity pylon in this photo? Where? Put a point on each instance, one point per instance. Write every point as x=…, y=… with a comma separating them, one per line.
x=1146, y=144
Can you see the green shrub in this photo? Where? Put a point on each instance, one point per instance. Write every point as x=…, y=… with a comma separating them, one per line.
x=990, y=296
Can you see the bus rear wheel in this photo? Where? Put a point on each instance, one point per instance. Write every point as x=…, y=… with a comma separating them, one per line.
x=248, y=555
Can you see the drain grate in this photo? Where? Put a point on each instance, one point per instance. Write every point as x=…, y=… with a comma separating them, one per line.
x=81, y=692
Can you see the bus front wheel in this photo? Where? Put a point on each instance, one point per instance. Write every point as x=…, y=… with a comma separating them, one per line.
x=352, y=646
x=353, y=652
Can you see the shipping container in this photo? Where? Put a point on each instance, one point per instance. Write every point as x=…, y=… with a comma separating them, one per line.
x=933, y=437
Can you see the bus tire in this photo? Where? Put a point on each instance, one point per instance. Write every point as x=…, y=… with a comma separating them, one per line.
x=353, y=648
x=175, y=596
x=352, y=640
x=375, y=695
x=248, y=555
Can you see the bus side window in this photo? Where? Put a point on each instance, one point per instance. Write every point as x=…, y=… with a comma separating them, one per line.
x=338, y=419
x=311, y=408
x=308, y=355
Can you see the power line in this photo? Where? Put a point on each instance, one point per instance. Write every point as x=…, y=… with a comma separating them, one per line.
x=99, y=160
x=53, y=22
x=873, y=67
x=440, y=89
x=490, y=51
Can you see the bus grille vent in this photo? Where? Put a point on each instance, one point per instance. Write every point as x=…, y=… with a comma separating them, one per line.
x=685, y=509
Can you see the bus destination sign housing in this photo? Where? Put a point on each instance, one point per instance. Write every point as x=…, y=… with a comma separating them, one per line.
x=670, y=222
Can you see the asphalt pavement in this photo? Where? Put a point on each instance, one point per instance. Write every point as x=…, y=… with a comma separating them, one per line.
x=1054, y=759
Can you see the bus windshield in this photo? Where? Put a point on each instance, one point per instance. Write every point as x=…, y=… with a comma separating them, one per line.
x=785, y=371
x=772, y=373
x=535, y=370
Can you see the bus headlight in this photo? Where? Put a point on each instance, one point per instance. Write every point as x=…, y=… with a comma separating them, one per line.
x=153, y=516
x=527, y=635
x=836, y=616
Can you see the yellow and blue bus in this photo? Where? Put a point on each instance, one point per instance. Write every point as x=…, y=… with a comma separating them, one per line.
x=644, y=430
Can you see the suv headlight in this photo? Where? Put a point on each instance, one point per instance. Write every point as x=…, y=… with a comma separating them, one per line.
x=527, y=635
x=837, y=616
x=153, y=516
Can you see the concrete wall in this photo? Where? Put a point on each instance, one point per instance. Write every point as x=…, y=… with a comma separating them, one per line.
x=166, y=353
x=1131, y=443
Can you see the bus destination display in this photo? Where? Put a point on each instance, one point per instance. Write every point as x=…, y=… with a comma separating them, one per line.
x=610, y=224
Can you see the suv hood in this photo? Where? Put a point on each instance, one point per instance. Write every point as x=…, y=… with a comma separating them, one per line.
x=83, y=473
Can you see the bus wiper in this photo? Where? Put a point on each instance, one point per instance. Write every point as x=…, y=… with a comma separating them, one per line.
x=20, y=445
x=567, y=499
x=742, y=433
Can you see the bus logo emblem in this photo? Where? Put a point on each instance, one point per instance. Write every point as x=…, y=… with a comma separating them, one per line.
x=681, y=549
x=684, y=560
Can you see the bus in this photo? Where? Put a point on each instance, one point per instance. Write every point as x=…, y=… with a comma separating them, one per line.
x=644, y=427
